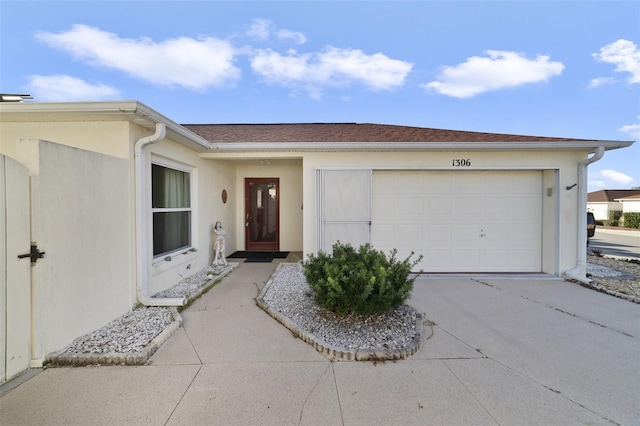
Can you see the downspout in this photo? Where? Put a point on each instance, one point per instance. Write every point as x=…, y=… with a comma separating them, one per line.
x=142, y=249
x=579, y=272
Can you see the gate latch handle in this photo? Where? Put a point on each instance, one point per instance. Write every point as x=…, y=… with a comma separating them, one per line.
x=35, y=254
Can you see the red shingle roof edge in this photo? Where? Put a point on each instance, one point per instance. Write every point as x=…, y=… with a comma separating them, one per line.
x=350, y=132
x=610, y=195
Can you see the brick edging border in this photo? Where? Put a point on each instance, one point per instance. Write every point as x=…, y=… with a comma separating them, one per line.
x=336, y=352
x=605, y=290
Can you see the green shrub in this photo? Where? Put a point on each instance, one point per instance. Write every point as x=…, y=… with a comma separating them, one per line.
x=363, y=281
x=614, y=223
x=614, y=215
x=632, y=219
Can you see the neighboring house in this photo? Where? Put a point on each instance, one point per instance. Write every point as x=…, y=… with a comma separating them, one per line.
x=630, y=203
x=123, y=202
x=606, y=200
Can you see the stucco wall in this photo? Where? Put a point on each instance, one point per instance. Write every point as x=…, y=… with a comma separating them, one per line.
x=631, y=206
x=559, y=209
x=105, y=137
x=80, y=220
x=601, y=210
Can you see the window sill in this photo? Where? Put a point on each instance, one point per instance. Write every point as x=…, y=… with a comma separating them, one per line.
x=166, y=263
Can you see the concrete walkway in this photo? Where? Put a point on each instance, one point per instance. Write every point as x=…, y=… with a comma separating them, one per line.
x=502, y=351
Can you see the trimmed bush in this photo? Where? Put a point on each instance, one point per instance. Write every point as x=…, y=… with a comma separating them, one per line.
x=614, y=217
x=363, y=281
x=632, y=219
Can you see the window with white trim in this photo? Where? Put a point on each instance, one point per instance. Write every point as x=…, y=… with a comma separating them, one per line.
x=171, y=209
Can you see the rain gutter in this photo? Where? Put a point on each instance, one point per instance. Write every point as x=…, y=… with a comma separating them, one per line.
x=579, y=272
x=219, y=147
x=142, y=248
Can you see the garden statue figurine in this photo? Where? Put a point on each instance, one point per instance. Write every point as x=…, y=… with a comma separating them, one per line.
x=219, y=256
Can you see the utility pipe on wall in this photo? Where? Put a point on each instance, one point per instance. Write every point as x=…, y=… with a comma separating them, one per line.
x=579, y=272
x=142, y=249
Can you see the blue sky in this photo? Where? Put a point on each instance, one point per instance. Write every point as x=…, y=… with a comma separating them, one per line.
x=545, y=68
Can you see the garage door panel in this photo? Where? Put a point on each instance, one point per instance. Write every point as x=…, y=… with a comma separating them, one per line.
x=522, y=207
x=466, y=182
x=383, y=208
x=524, y=232
x=496, y=208
x=524, y=183
x=439, y=183
x=437, y=233
x=466, y=260
x=496, y=232
x=467, y=207
x=383, y=233
x=523, y=260
x=468, y=221
x=384, y=182
x=436, y=261
x=409, y=232
x=495, y=183
x=495, y=259
x=438, y=207
x=408, y=183
x=466, y=232
x=409, y=207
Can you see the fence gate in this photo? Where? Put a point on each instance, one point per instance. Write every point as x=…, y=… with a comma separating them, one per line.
x=15, y=269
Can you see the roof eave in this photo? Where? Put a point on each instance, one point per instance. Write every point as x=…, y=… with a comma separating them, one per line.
x=415, y=146
x=132, y=111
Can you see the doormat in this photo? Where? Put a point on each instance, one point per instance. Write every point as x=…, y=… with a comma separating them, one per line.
x=256, y=255
x=262, y=259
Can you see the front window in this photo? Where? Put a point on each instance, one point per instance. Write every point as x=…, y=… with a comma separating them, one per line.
x=171, y=207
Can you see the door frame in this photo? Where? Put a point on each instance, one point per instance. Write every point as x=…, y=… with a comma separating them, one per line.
x=260, y=246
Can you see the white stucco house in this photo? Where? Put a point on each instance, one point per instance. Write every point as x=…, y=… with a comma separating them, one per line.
x=630, y=203
x=603, y=201
x=122, y=201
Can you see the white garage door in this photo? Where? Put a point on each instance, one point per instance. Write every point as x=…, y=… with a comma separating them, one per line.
x=461, y=221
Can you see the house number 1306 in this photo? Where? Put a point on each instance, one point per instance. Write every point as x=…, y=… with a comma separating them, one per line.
x=461, y=162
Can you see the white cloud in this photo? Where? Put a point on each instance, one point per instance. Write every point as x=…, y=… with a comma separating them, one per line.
x=331, y=67
x=294, y=36
x=600, y=81
x=59, y=88
x=260, y=29
x=625, y=55
x=632, y=130
x=497, y=70
x=609, y=179
x=195, y=64
x=263, y=29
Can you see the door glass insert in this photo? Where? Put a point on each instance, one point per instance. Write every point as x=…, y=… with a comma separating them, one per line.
x=262, y=214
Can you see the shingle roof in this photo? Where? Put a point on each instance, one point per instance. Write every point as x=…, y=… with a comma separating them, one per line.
x=349, y=132
x=630, y=198
x=610, y=195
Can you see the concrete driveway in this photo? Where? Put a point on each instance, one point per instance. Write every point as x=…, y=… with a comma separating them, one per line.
x=502, y=351
x=612, y=242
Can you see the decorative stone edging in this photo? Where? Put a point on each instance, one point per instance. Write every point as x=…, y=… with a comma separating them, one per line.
x=605, y=290
x=141, y=357
x=135, y=358
x=332, y=351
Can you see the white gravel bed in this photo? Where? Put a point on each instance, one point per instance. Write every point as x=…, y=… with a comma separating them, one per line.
x=192, y=283
x=127, y=334
x=290, y=295
x=132, y=332
x=602, y=271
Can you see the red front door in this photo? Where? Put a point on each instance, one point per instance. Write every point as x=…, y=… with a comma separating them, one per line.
x=262, y=214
